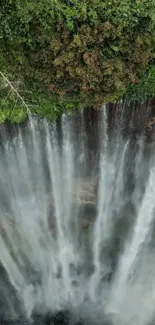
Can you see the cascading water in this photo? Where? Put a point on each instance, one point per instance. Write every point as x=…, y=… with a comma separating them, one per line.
x=77, y=222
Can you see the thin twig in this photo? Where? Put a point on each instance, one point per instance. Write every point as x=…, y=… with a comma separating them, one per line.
x=15, y=91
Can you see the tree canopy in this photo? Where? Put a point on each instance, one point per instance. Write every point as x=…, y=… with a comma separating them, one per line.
x=85, y=52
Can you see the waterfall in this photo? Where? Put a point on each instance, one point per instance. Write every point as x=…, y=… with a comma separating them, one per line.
x=77, y=221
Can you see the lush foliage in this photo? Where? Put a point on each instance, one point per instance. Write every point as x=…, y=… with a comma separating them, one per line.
x=16, y=104
x=75, y=51
x=145, y=88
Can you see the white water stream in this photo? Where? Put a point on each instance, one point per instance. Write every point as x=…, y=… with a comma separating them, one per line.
x=55, y=257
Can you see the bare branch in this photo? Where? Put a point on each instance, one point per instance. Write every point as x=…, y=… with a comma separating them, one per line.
x=13, y=89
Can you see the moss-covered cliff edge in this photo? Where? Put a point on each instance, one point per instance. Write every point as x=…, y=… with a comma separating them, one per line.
x=62, y=54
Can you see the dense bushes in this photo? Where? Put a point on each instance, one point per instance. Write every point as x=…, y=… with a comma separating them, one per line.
x=80, y=52
x=145, y=88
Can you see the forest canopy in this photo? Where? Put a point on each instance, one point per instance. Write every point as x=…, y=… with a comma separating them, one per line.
x=76, y=52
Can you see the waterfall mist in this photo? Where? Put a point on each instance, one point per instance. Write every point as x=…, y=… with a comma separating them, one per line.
x=77, y=221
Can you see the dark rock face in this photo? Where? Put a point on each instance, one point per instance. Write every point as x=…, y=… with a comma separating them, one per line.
x=60, y=318
x=63, y=318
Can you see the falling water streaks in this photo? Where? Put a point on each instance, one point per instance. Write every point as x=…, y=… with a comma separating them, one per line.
x=120, y=176
x=132, y=249
x=37, y=156
x=57, y=245
x=61, y=169
x=110, y=195
x=67, y=169
x=101, y=226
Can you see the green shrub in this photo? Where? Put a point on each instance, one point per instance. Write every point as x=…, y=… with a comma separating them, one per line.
x=145, y=88
x=81, y=52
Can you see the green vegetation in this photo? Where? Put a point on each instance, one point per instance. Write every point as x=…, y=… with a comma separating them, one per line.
x=145, y=88
x=16, y=103
x=71, y=53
